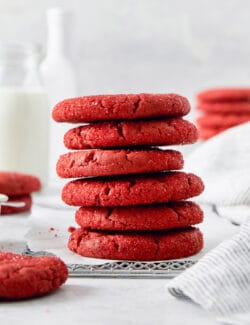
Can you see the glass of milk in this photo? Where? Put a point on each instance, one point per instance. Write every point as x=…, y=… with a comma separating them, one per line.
x=24, y=112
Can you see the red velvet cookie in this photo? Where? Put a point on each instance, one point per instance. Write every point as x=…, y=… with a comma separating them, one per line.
x=239, y=108
x=155, y=246
x=131, y=133
x=224, y=95
x=132, y=190
x=18, y=184
x=26, y=199
x=96, y=162
x=207, y=133
x=24, y=277
x=222, y=121
x=118, y=107
x=148, y=217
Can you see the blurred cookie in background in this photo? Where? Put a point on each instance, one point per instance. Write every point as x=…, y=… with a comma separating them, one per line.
x=222, y=108
x=18, y=188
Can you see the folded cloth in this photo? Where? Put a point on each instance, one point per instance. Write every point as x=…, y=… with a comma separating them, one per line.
x=236, y=214
x=220, y=281
x=223, y=162
x=237, y=319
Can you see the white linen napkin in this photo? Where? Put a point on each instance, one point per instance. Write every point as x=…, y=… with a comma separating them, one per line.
x=223, y=163
x=220, y=281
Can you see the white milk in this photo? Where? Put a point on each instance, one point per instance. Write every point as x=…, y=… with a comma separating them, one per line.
x=24, y=131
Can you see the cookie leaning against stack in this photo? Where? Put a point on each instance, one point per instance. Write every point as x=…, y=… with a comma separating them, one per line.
x=222, y=108
x=130, y=194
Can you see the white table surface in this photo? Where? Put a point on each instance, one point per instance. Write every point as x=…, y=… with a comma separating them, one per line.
x=103, y=301
x=106, y=301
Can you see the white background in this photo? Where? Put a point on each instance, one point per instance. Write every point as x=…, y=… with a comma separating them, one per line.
x=142, y=45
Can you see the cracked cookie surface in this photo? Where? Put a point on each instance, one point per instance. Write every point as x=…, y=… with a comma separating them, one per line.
x=132, y=190
x=131, y=133
x=97, y=162
x=24, y=276
x=149, y=217
x=161, y=245
x=116, y=107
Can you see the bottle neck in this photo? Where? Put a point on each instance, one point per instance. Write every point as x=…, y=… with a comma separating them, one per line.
x=55, y=33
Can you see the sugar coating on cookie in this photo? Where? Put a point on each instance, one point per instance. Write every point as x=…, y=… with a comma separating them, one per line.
x=148, y=217
x=224, y=95
x=26, y=199
x=117, y=107
x=97, y=162
x=132, y=133
x=24, y=276
x=132, y=190
x=153, y=246
x=18, y=184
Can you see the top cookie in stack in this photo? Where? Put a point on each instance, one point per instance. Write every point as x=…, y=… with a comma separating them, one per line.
x=222, y=108
x=131, y=208
x=120, y=107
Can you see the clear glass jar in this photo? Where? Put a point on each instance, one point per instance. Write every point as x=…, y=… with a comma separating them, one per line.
x=24, y=113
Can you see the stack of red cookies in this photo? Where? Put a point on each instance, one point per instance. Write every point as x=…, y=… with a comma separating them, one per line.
x=131, y=205
x=18, y=187
x=222, y=108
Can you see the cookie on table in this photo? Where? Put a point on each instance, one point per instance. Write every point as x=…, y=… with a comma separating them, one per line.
x=132, y=190
x=239, y=108
x=153, y=246
x=222, y=121
x=97, y=162
x=24, y=276
x=12, y=183
x=148, y=217
x=131, y=133
x=119, y=107
x=218, y=95
x=26, y=199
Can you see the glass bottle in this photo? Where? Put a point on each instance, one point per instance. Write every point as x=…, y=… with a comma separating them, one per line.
x=58, y=75
x=24, y=113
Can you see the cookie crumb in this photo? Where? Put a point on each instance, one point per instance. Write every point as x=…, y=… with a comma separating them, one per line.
x=71, y=229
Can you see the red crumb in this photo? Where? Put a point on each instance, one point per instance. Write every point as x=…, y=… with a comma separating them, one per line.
x=51, y=229
x=71, y=229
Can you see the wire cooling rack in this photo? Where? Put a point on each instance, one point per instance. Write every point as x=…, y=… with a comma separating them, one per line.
x=124, y=269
